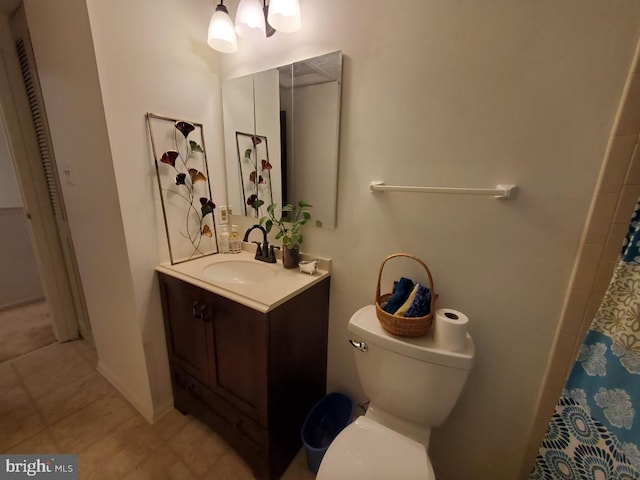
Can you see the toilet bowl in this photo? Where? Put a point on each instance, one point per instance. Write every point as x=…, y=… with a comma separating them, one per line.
x=369, y=450
x=412, y=385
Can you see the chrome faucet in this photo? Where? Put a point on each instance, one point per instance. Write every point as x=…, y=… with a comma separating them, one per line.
x=263, y=252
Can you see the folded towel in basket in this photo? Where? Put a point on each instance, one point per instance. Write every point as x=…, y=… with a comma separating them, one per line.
x=401, y=290
x=401, y=312
x=421, y=304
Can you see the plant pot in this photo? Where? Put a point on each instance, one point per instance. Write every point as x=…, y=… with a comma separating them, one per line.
x=290, y=256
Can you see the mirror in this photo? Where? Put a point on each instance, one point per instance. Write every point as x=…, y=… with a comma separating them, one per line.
x=281, y=131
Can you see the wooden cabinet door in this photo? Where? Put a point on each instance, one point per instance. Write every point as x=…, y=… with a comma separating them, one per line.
x=187, y=320
x=240, y=349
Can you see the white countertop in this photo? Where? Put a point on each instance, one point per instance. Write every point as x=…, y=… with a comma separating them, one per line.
x=262, y=296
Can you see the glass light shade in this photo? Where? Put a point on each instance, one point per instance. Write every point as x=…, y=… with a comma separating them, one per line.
x=250, y=21
x=284, y=15
x=222, y=36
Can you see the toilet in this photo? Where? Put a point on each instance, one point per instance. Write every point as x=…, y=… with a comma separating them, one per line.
x=412, y=385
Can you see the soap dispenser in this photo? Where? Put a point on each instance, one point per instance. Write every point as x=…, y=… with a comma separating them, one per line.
x=235, y=242
x=223, y=240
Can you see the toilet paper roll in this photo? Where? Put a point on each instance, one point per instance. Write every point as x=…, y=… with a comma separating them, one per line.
x=450, y=329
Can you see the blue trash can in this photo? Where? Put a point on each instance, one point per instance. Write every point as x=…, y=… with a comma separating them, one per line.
x=325, y=421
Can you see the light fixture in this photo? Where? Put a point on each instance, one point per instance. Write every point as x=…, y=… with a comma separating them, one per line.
x=222, y=36
x=284, y=15
x=250, y=19
x=254, y=19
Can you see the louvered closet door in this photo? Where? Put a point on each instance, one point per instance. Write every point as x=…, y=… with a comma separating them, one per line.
x=47, y=158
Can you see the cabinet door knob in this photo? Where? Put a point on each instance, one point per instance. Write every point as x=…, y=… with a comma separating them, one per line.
x=200, y=311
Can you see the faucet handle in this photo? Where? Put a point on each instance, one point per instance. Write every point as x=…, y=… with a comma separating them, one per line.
x=272, y=253
x=258, y=249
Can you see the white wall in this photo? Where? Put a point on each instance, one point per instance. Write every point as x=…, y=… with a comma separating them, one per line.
x=66, y=64
x=315, y=140
x=152, y=56
x=19, y=276
x=9, y=191
x=266, y=86
x=103, y=66
x=238, y=117
x=466, y=93
x=251, y=105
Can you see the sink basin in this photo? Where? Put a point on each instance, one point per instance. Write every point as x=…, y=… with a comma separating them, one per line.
x=238, y=271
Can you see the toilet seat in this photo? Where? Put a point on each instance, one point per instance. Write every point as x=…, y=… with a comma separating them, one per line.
x=366, y=450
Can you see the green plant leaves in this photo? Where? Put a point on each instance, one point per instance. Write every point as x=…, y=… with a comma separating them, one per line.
x=207, y=206
x=254, y=202
x=291, y=219
x=195, y=147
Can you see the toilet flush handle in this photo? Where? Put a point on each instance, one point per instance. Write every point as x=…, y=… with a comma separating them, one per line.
x=359, y=345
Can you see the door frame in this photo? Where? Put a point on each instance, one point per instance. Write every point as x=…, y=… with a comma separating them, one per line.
x=23, y=149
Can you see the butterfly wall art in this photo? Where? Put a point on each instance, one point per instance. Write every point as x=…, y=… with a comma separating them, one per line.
x=255, y=173
x=183, y=183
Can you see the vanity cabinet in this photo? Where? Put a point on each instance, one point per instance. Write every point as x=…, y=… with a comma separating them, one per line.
x=251, y=376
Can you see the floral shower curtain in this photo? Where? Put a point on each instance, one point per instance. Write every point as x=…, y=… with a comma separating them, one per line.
x=595, y=430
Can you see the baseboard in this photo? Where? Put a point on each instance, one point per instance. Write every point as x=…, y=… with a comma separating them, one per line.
x=140, y=406
x=20, y=303
x=162, y=410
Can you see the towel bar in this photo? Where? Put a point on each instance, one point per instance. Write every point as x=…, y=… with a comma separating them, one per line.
x=501, y=191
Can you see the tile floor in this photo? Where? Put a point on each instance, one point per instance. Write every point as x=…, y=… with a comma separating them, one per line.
x=54, y=401
x=24, y=328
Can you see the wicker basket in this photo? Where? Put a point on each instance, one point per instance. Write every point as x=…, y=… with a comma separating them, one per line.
x=404, y=326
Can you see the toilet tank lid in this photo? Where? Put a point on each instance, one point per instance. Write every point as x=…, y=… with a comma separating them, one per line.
x=365, y=324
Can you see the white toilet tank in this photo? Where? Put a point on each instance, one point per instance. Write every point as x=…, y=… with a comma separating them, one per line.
x=410, y=378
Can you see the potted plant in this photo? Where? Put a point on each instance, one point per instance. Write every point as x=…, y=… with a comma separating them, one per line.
x=289, y=224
